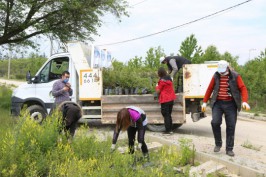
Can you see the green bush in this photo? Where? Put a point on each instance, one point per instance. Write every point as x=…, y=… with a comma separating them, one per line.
x=20, y=76
x=7, y=122
x=5, y=97
x=128, y=77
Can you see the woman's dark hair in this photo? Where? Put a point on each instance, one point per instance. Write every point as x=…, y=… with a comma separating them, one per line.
x=162, y=72
x=123, y=120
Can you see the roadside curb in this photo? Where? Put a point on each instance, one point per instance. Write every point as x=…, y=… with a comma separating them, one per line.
x=235, y=168
x=261, y=117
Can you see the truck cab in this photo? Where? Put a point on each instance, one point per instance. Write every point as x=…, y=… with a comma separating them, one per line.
x=35, y=95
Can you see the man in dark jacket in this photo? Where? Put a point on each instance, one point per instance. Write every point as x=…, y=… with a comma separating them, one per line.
x=228, y=90
x=174, y=64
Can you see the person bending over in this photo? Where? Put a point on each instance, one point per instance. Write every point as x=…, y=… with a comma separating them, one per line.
x=132, y=119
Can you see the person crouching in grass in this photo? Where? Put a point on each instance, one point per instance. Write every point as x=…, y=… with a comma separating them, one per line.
x=132, y=119
x=71, y=113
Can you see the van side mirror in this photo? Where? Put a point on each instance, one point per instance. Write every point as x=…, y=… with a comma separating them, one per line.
x=35, y=79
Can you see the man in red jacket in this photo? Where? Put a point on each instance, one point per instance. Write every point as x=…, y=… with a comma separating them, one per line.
x=228, y=90
x=167, y=96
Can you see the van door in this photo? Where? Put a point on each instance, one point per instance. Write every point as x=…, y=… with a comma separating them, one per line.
x=47, y=76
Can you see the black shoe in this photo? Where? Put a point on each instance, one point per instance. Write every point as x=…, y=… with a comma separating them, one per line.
x=217, y=148
x=230, y=153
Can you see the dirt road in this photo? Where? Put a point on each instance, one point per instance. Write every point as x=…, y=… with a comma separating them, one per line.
x=13, y=83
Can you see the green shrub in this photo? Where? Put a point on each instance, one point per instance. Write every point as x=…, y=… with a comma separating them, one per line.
x=20, y=76
x=5, y=97
x=187, y=153
x=20, y=67
x=28, y=146
x=7, y=122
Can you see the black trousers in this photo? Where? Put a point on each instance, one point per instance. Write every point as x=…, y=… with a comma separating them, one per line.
x=131, y=133
x=166, y=110
x=229, y=109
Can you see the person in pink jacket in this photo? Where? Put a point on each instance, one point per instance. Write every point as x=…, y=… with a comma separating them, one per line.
x=133, y=119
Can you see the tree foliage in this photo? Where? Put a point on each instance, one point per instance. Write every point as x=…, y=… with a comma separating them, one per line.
x=62, y=19
x=210, y=54
x=19, y=67
x=135, y=62
x=152, y=60
x=262, y=55
x=230, y=59
x=254, y=76
x=189, y=49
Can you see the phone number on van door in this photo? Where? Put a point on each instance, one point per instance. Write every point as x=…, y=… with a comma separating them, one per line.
x=89, y=77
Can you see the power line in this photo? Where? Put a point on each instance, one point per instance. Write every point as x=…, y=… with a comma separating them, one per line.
x=182, y=25
x=138, y=3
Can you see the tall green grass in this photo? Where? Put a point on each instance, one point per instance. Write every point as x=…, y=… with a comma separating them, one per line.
x=5, y=101
x=5, y=97
x=6, y=121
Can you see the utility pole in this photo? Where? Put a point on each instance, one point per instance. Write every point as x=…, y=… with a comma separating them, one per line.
x=9, y=61
x=52, y=46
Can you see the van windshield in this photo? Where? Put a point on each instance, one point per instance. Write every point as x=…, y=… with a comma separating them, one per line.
x=54, y=69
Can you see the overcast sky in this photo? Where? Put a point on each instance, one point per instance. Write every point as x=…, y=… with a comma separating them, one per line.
x=240, y=31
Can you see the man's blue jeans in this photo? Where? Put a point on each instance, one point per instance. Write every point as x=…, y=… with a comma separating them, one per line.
x=229, y=109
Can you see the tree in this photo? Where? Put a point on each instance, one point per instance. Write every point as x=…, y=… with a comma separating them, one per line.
x=262, y=55
x=135, y=62
x=62, y=19
x=230, y=59
x=152, y=60
x=190, y=49
x=210, y=54
x=254, y=76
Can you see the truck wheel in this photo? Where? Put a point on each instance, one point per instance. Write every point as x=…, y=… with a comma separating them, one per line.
x=161, y=127
x=37, y=113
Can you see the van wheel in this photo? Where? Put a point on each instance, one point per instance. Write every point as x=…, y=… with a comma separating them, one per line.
x=161, y=127
x=37, y=113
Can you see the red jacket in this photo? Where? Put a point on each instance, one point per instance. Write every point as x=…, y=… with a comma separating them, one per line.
x=165, y=89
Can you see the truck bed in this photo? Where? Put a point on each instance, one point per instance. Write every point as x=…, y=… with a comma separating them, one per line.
x=111, y=104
